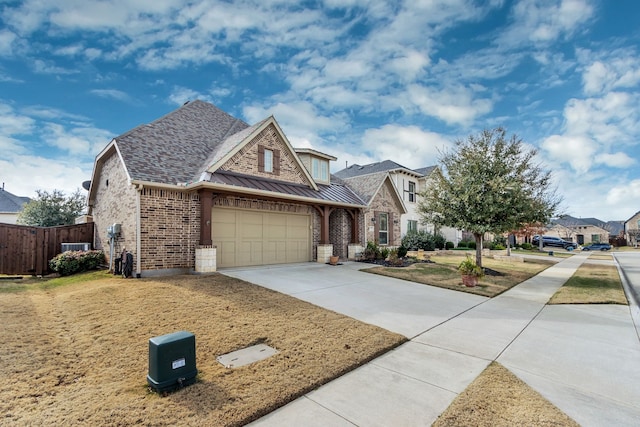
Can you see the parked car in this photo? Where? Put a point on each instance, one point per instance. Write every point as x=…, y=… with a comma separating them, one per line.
x=597, y=247
x=554, y=241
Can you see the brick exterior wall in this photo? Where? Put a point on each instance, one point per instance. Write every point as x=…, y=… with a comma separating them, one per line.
x=246, y=160
x=340, y=232
x=115, y=203
x=384, y=201
x=169, y=229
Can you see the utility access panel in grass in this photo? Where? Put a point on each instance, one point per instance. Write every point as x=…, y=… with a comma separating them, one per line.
x=172, y=361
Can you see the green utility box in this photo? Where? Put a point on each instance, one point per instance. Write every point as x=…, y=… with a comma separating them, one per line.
x=172, y=361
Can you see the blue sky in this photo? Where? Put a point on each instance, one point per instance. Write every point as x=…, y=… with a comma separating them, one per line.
x=363, y=80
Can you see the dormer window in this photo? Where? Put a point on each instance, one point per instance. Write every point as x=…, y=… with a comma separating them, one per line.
x=320, y=169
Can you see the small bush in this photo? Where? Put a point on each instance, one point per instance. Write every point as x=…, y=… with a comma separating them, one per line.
x=463, y=244
x=439, y=241
x=416, y=240
x=372, y=251
x=497, y=247
x=526, y=246
x=448, y=245
x=71, y=262
x=384, y=253
x=471, y=245
x=402, y=251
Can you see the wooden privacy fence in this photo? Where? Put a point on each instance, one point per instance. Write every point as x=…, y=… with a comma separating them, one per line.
x=27, y=250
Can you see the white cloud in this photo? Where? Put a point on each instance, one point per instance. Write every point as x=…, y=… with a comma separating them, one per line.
x=6, y=42
x=453, y=105
x=23, y=175
x=540, y=22
x=81, y=141
x=45, y=67
x=578, y=151
x=12, y=123
x=618, y=70
x=616, y=160
x=116, y=94
x=409, y=146
x=179, y=95
x=622, y=197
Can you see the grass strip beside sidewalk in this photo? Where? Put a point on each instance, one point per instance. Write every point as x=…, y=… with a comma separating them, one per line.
x=592, y=284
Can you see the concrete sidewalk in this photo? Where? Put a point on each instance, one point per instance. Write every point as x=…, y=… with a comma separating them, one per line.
x=584, y=359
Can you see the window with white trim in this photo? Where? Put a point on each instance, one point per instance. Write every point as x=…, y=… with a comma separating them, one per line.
x=412, y=226
x=412, y=191
x=320, y=169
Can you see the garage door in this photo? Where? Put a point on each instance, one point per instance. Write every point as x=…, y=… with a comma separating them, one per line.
x=245, y=237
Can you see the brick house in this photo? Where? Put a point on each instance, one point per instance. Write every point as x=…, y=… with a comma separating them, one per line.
x=199, y=189
x=582, y=231
x=409, y=183
x=632, y=230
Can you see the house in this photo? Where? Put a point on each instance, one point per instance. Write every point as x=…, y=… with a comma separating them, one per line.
x=384, y=207
x=198, y=190
x=632, y=230
x=10, y=206
x=409, y=183
x=583, y=231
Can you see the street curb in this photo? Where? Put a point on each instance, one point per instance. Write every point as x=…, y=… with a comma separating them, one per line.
x=632, y=297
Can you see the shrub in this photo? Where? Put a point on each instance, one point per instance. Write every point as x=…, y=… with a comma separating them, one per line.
x=497, y=247
x=384, y=253
x=394, y=258
x=71, y=262
x=471, y=245
x=463, y=244
x=526, y=246
x=448, y=245
x=415, y=240
x=372, y=251
x=439, y=241
x=402, y=251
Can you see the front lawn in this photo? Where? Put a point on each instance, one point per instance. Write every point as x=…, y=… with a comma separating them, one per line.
x=443, y=272
x=75, y=349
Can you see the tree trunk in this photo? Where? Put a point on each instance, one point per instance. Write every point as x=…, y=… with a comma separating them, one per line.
x=508, y=244
x=478, y=238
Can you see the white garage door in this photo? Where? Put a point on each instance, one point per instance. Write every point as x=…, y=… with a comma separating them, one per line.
x=245, y=237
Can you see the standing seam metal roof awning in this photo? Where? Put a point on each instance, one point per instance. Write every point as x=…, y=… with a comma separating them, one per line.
x=334, y=193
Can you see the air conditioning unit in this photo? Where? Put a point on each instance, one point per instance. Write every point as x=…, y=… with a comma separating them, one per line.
x=75, y=247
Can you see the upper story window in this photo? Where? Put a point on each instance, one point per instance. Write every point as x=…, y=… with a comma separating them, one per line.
x=268, y=160
x=412, y=191
x=320, y=169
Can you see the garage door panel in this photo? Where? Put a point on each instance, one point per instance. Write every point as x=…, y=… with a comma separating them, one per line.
x=246, y=237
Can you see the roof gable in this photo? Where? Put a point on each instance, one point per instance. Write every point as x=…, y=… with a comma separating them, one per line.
x=383, y=166
x=368, y=186
x=243, y=156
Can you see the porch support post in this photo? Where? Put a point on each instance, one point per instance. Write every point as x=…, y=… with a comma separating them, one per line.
x=355, y=224
x=206, y=203
x=325, y=213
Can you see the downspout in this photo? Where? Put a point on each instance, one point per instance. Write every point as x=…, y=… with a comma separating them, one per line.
x=138, y=228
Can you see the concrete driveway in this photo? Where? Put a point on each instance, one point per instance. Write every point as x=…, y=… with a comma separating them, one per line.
x=584, y=359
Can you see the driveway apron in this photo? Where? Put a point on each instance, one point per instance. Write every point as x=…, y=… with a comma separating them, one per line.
x=454, y=336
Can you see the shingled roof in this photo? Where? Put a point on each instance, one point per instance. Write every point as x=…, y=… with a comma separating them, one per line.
x=366, y=186
x=10, y=203
x=174, y=149
x=383, y=166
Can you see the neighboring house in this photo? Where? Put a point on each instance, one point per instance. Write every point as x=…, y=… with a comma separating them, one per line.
x=10, y=206
x=632, y=230
x=409, y=184
x=582, y=231
x=384, y=207
x=199, y=189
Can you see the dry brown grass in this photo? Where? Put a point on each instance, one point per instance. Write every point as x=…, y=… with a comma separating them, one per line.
x=78, y=353
x=444, y=273
x=498, y=398
x=592, y=284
